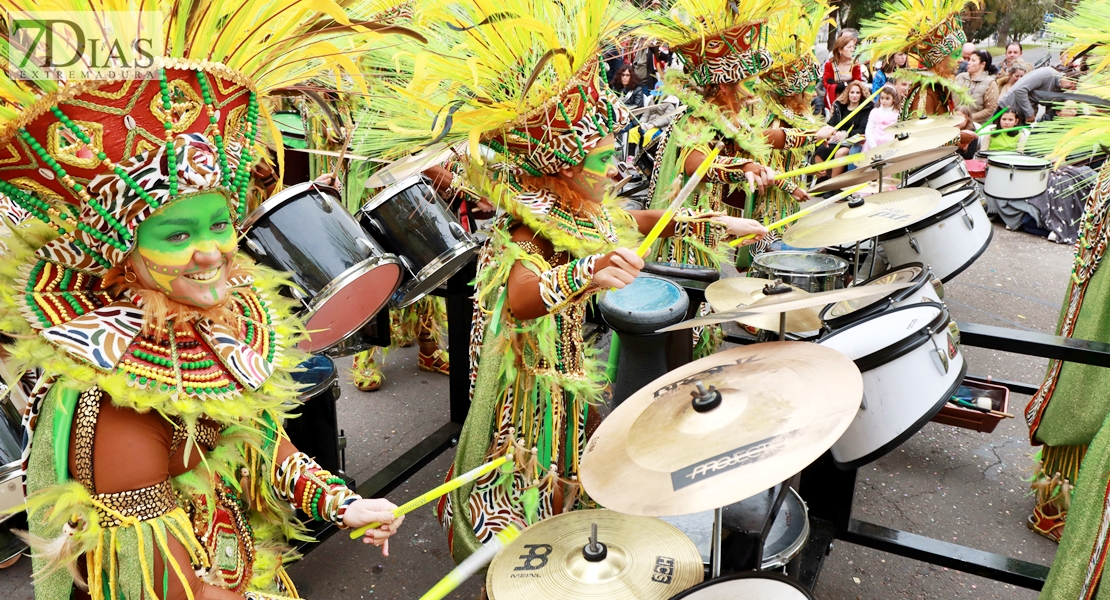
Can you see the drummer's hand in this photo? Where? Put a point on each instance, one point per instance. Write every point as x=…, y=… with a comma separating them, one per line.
x=738, y=227
x=826, y=132
x=617, y=269
x=374, y=510
x=800, y=195
x=758, y=175
x=326, y=179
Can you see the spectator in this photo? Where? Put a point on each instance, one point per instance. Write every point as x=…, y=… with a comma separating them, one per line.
x=841, y=68
x=1013, y=60
x=965, y=53
x=1044, y=79
x=1015, y=74
x=888, y=66
x=627, y=86
x=968, y=143
x=901, y=84
x=1011, y=141
x=979, y=81
x=848, y=101
x=883, y=116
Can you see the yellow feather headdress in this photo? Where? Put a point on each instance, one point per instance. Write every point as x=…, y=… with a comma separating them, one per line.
x=791, y=40
x=1086, y=30
x=930, y=30
x=719, y=41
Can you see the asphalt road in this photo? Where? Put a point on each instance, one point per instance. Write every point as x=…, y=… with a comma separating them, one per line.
x=947, y=483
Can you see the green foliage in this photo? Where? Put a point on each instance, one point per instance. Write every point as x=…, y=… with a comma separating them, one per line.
x=1012, y=19
x=854, y=11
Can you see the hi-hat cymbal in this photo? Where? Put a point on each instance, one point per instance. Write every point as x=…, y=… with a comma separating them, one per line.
x=407, y=166
x=645, y=559
x=910, y=143
x=789, y=301
x=879, y=214
x=734, y=292
x=923, y=123
x=870, y=171
x=782, y=405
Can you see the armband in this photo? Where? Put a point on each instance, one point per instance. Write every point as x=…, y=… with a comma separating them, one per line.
x=306, y=485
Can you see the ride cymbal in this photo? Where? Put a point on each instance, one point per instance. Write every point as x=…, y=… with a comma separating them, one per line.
x=643, y=559
x=771, y=410
x=735, y=292
x=880, y=213
x=789, y=301
x=870, y=171
x=925, y=122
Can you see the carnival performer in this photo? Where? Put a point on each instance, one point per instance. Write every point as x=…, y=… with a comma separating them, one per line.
x=786, y=91
x=930, y=31
x=527, y=88
x=1068, y=416
x=158, y=466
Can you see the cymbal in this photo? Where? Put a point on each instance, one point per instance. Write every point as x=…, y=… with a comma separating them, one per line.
x=870, y=171
x=923, y=123
x=787, y=302
x=407, y=166
x=734, y=292
x=782, y=405
x=644, y=559
x=879, y=214
x=913, y=142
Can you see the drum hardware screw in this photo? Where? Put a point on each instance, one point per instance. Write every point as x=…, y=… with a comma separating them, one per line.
x=705, y=400
x=913, y=244
x=778, y=287
x=594, y=551
x=901, y=136
x=855, y=202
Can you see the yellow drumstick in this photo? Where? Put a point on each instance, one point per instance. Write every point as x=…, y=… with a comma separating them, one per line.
x=446, y=488
x=851, y=159
x=481, y=557
x=804, y=212
x=679, y=199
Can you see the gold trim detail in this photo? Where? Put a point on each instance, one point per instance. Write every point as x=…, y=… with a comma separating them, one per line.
x=63, y=145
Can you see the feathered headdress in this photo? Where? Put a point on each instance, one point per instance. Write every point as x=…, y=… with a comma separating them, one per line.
x=791, y=39
x=519, y=76
x=719, y=41
x=1086, y=30
x=930, y=30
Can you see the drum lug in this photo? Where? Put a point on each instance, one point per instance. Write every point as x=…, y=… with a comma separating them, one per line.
x=913, y=244
x=940, y=357
x=458, y=229
x=254, y=247
x=938, y=287
x=375, y=224
x=968, y=219
x=407, y=263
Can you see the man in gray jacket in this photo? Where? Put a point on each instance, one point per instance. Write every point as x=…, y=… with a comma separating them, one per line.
x=1044, y=79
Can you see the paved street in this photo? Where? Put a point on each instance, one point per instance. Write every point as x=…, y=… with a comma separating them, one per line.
x=947, y=483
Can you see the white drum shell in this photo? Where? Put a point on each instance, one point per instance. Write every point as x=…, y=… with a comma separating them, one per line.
x=948, y=246
x=917, y=295
x=1016, y=177
x=752, y=588
x=899, y=397
x=944, y=172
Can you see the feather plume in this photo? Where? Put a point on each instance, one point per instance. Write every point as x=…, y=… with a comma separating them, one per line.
x=903, y=23
x=684, y=21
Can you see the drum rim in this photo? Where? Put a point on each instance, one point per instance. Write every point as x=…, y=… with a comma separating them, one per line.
x=933, y=219
x=391, y=190
x=1047, y=165
x=846, y=265
x=401, y=299
x=884, y=303
x=903, y=346
x=11, y=470
x=346, y=278
x=281, y=198
x=949, y=162
x=745, y=575
x=974, y=257
x=327, y=382
x=782, y=558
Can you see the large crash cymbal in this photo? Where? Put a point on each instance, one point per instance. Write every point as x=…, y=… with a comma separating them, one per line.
x=870, y=171
x=905, y=144
x=789, y=301
x=880, y=213
x=645, y=559
x=781, y=405
x=926, y=122
x=735, y=292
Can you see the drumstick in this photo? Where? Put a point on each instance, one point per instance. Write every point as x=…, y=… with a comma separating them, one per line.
x=1000, y=112
x=446, y=488
x=481, y=557
x=804, y=212
x=998, y=131
x=681, y=197
x=858, y=108
x=342, y=153
x=851, y=159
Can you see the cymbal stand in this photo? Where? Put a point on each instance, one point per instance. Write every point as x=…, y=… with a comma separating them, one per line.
x=855, y=265
x=782, y=326
x=715, y=551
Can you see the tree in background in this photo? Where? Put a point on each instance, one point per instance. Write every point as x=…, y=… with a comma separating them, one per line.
x=1010, y=19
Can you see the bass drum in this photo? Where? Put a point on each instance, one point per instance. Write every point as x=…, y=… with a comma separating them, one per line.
x=926, y=287
x=1016, y=176
x=911, y=364
x=747, y=586
x=951, y=238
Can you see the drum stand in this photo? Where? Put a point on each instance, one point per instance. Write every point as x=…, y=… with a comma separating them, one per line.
x=856, y=262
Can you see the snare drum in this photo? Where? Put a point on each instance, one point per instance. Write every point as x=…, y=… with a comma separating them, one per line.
x=809, y=271
x=911, y=364
x=926, y=287
x=1016, y=176
x=344, y=277
x=788, y=532
x=411, y=221
x=949, y=240
x=948, y=170
x=747, y=586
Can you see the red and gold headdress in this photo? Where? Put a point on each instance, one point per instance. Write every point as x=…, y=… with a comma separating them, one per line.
x=930, y=30
x=793, y=34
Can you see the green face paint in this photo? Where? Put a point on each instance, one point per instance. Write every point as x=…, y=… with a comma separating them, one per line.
x=595, y=175
x=185, y=250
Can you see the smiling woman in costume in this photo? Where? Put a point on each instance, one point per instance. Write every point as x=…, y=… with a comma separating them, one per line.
x=158, y=466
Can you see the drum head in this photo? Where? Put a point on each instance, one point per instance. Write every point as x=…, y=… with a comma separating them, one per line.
x=341, y=308
x=747, y=586
x=846, y=307
x=801, y=262
x=1020, y=162
x=646, y=305
x=315, y=374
